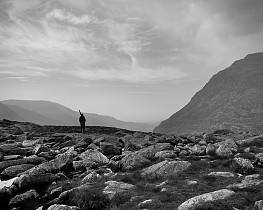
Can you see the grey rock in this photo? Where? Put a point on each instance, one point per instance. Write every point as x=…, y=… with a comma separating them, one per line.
x=134, y=161
x=200, y=200
x=13, y=171
x=113, y=187
x=25, y=200
x=63, y=207
x=166, y=168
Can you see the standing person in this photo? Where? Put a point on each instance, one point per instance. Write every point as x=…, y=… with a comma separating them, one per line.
x=82, y=121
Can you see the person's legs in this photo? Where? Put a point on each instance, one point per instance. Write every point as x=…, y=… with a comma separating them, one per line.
x=83, y=127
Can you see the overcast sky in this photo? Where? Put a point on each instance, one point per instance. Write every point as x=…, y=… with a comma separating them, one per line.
x=136, y=60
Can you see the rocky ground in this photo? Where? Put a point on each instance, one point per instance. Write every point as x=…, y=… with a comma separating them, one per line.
x=110, y=168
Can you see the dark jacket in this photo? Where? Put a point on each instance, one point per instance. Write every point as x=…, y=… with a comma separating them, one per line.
x=82, y=119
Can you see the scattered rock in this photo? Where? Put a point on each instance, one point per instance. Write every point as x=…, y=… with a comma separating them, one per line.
x=134, y=161
x=114, y=187
x=13, y=171
x=166, y=168
x=93, y=158
x=27, y=200
x=63, y=207
x=201, y=200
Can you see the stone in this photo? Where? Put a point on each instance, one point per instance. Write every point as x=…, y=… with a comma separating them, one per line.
x=1, y=156
x=13, y=149
x=35, y=180
x=28, y=160
x=17, y=131
x=258, y=205
x=113, y=187
x=250, y=183
x=242, y=166
x=145, y=203
x=109, y=149
x=91, y=177
x=221, y=174
x=224, y=152
x=24, y=200
x=165, y=154
x=252, y=141
x=91, y=158
x=40, y=148
x=13, y=171
x=134, y=161
x=31, y=143
x=63, y=207
x=150, y=151
x=197, y=150
x=211, y=149
x=166, y=168
x=204, y=199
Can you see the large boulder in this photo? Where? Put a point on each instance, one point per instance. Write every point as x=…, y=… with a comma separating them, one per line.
x=252, y=141
x=28, y=200
x=31, y=143
x=134, y=161
x=109, y=149
x=30, y=160
x=150, y=151
x=113, y=187
x=13, y=171
x=14, y=149
x=242, y=166
x=93, y=158
x=199, y=201
x=40, y=148
x=250, y=183
x=63, y=207
x=166, y=168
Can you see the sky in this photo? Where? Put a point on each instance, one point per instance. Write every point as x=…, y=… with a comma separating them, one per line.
x=136, y=60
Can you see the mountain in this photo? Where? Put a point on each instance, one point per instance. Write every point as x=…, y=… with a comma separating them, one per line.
x=7, y=113
x=50, y=113
x=232, y=99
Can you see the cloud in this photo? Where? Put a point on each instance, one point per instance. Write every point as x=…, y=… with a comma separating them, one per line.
x=63, y=15
x=132, y=40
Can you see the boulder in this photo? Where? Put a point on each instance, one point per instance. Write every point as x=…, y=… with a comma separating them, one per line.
x=35, y=180
x=258, y=205
x=28, y=160
x=252, y=141
x=242, y=166
x=31, y=143
x=224, y=152
x=40, y=148
x=202, y=200
x=91, y=177
x=13, y=149
x=63, y=207
x=211, y=149
x=221, y=174
x=17, y=131
x=109, y=149
x=13, y=171
x=93, y=158
x=166, y=168
x=150, y=151
x=133, y=161
x=250, y=183
x=165, y=154
x=27, y=200
x=113, y=187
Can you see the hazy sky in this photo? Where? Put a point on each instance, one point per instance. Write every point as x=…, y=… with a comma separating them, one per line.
x=136, y=60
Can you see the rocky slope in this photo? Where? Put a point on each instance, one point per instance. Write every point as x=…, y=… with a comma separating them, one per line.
x=109, y=168
x=50, y=113
x=233, y=98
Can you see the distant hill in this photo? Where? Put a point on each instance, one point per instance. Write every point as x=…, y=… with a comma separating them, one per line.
x=50, y=113
x=233, y=99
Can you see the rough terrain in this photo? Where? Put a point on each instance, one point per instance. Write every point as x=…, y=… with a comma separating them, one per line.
x=110, y=168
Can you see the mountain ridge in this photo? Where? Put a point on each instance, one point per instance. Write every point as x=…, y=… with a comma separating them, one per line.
x=231, y=99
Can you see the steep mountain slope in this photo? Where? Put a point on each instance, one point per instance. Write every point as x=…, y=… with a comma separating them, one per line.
x=50, y=113
x=233, y=99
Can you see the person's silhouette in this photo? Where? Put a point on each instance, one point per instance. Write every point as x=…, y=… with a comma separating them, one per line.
x=82, y=121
